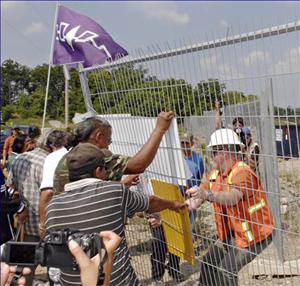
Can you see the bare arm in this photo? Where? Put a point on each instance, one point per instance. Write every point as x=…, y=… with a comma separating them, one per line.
x=254, y=158
x=230, y=198
x=5, y=152
x=89, y=267
x=218, y=124
x=157, y=204
x=141, y=160
x=46, y=196
x=130, y=180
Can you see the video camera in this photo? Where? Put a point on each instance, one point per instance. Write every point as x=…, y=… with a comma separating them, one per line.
x=53, y=251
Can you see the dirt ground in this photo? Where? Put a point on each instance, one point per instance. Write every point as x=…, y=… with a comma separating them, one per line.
x=265, y=270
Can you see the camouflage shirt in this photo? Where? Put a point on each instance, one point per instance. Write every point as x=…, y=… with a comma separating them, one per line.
x=115, y=166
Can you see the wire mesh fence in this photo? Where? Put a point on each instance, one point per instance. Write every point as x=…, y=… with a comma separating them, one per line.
x=254, y=76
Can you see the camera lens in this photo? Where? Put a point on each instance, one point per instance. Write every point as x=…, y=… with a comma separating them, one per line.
x=55, y=237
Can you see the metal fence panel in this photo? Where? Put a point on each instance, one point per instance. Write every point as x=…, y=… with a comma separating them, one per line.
x=256, y=76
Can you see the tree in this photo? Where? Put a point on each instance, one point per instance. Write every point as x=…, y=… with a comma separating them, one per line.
x=206, y=93
x=15, y=80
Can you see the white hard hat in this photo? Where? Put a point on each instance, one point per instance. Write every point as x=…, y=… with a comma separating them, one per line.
x=224, y=136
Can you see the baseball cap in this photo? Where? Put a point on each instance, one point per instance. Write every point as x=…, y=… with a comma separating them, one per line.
x=83, y=160
x=246, y=130
x=185, y=138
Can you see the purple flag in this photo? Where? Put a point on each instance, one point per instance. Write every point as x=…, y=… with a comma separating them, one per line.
x=81, y=39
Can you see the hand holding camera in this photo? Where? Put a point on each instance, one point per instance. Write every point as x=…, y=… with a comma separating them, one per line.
x=68, y=249
x=53, y=251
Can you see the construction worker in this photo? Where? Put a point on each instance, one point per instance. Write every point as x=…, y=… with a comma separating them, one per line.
x=243, y=218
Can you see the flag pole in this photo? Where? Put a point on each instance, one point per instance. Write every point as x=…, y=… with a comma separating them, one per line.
x=67, y=78
x=49, y=66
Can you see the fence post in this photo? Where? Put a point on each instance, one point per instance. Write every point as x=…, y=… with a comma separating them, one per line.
x=84, y=82
x=270, y=164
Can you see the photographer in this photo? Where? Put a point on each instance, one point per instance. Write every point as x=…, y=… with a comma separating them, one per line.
x=89, y=268
x=91, y=204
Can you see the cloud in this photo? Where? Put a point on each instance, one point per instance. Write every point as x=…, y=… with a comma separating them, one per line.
x=289, y=62
x=35, y=28
x=213, y=66
x=255, y=57
x=163, y=11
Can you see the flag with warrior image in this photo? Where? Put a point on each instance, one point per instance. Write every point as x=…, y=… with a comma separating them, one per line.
x=80, y=39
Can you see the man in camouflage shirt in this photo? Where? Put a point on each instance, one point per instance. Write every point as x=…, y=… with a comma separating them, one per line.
x=115, y=166
x=98, y=131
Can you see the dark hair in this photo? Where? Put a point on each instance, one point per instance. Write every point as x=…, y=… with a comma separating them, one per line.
x=56, y=138
x=34, y=132
x=238, y=119
x=71, y=141
x=85, y=128
x=19, y=143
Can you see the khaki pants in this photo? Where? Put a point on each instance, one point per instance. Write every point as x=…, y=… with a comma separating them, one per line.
x=223, y=261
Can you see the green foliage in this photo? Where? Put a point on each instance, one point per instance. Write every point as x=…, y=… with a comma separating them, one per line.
x=31, y=105
x=8, y=112
x=126, y=89
x=15, y=79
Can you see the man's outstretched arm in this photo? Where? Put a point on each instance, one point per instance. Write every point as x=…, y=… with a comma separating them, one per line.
x=157, y=204
x=143, y=158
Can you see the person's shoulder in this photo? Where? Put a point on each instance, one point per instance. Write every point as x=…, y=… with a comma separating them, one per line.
x=62, y=165
x=9, y=138
x=241, y=171
x=94, y=183
x=57, y=155
x=197, y=155
x=115, y=157
x=256, y=145
x=112, y=184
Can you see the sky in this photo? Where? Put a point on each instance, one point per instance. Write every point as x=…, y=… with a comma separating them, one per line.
x=27, y=26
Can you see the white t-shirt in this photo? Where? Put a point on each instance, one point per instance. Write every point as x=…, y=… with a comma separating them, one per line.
x=50, y=165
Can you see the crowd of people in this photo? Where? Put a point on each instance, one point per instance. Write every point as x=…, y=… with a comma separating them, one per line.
x=73, y=181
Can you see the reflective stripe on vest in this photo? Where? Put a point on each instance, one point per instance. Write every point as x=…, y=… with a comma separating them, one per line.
x=213, y=178
x=257, y=206
x=239, y=165
x=248, y=232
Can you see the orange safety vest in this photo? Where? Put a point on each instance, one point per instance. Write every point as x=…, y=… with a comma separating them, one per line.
x=250, y=219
